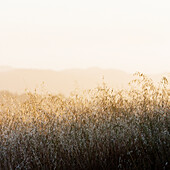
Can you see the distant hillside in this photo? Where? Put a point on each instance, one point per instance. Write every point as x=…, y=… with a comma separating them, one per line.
x=5, y=68
x=17, y=80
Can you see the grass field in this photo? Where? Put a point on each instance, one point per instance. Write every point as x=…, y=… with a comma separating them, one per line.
x=101, y=128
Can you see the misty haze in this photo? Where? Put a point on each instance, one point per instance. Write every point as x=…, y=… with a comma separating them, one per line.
x=85, y=85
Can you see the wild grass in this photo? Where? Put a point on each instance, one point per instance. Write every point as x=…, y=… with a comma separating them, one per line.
x=97, y=129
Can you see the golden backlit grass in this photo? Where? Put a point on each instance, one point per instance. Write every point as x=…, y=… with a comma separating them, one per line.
x=95, y=129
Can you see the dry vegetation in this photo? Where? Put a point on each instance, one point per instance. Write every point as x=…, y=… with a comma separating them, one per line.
x=96, y=129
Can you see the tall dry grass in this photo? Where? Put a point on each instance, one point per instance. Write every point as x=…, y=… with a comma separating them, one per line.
x=96, y=129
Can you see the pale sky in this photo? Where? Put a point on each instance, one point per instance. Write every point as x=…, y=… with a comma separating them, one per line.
x=131, y=35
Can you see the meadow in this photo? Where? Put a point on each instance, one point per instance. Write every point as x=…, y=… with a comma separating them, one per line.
x=100, y=128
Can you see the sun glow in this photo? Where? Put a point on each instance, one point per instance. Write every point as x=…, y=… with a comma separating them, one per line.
x=127, y=35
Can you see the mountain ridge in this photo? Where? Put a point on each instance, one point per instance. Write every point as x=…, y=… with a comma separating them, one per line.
x=63, y=81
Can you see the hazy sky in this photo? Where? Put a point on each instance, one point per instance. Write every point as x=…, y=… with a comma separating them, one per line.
x=131, y=35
